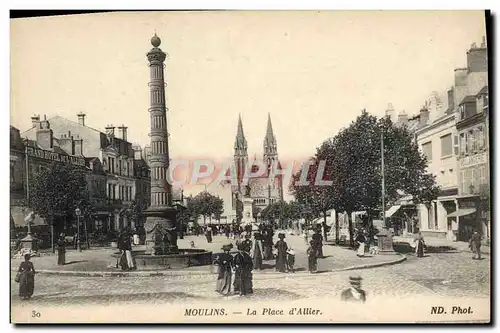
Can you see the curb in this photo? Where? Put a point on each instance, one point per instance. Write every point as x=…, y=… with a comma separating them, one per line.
x=197, y=273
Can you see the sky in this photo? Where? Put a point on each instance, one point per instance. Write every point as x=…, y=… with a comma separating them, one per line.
x=312, y=71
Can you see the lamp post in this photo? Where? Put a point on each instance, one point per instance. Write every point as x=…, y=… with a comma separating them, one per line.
x=78, y=213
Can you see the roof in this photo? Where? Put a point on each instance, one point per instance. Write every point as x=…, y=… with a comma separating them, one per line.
x=483, y=91
x=468, y=99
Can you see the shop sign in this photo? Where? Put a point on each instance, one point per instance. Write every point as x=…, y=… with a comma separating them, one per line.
x=468, y=161
x=56, y=157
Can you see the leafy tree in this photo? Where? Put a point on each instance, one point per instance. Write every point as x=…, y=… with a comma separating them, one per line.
x=57, y=192
x=136, y=211
x=320, y=198
x=207, y=205
x=354, y=157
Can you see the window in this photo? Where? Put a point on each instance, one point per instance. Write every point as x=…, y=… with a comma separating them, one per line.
x=461, y=109
x=463, y=145
x=485, y=101
x=427, y=150
x=456, y=145
x=482, y=175
x=481, y=142
x=446, y=145
x=12, y=170
x=469, y=141
x=120, y=167
x=110, y=191
x=466, y=181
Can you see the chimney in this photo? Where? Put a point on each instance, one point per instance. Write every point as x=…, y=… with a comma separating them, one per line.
x=137, y=153
x=460, y=76
x=451, y=99
x=477, y=58
x=402, y=119
x=67, y=144
x=110, y=130
x=424, y=115
x=44, y=135
x=122, y=132
x=35, y=120
x=81, y=118
x=78, y=144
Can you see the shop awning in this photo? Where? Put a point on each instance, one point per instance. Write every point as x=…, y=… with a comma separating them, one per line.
x=391, y=211
x=462, y=212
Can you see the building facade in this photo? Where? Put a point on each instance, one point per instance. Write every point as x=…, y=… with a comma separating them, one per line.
x=455, y=144
x=110, y=162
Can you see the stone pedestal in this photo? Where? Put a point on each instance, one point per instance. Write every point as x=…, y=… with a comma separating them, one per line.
x=161, y=232
x=29, y=242
x=247, y=210
x=385, y=242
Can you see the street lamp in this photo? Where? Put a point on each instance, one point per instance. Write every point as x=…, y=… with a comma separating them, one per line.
x=78, y=213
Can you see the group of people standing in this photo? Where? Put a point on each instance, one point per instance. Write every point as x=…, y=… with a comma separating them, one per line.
x=240, y=264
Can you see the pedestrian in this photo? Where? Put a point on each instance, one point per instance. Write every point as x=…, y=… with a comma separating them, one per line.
x=61, y=250
x=290, y=260
x=354, y=293
x=26, y=278
x=208, y=234
x=227, y=230
x=136, y=237
x=281, y=248
x=475, y=244
x=361, y=240
x=257, y=250
x=127, y=246
x=225, y=264
x=247, y=243
x=317, y=237
x=419, y=245
x=243, y=272
x=312, y=257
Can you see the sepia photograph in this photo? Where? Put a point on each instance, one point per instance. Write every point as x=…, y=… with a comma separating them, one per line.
x=320, y=166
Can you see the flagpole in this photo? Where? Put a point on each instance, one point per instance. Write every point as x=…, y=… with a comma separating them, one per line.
x=383, y=175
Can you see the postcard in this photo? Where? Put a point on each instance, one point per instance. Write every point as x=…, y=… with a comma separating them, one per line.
x=250, y=167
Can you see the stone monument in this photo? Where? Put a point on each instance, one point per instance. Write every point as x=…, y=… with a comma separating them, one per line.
x=161, y=215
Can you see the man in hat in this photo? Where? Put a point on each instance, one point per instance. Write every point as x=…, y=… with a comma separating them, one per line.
x=282, y=247
x=247, y=243
x=354, y=293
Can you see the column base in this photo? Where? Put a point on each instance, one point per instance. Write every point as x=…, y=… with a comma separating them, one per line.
x=161, y=230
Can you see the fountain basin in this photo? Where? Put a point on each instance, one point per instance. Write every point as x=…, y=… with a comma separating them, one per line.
x=185, y=258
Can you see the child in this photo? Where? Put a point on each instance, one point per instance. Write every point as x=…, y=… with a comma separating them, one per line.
x=290, y=259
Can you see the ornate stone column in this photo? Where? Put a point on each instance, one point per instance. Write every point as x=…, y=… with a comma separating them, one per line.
x=160, y=216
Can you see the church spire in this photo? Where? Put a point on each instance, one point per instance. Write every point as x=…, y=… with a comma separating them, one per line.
x=269, y=131
x=270, y=145
x=240, y=144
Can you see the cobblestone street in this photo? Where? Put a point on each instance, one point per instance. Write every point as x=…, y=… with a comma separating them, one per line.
x=443, y=274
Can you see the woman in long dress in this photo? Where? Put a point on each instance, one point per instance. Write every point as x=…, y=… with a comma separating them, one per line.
x=208, y=234
x=257, y=251
x=225, y=265
x=312, y=257
x=26, y=273
x=419, y=248
x=361, y=239
x=61, y=251
x=281, y=246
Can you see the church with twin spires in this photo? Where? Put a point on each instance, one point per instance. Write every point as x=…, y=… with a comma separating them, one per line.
x=259, y=189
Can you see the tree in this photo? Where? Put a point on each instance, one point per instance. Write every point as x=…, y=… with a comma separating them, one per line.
x=354, y=156
x=57, y=192
x=320, y=198
x=136, y=211
x=207, y=205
